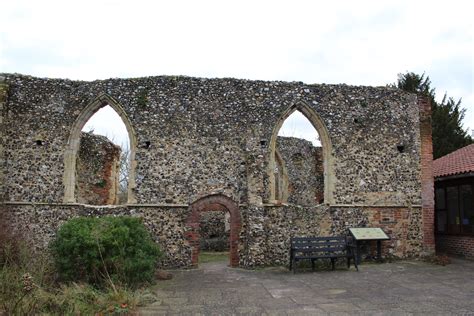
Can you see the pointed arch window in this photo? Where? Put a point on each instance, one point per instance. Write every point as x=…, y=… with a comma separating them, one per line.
x=97, y=171
x=300, y=142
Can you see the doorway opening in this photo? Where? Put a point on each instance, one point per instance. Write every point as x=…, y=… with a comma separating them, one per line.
x=214, y=233
x=214, y=224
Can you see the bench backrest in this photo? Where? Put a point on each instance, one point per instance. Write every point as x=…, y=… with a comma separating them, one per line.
x=319, y=244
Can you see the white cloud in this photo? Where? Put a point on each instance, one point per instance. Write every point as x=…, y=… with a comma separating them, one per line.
x=297, y=125
x=108, y=123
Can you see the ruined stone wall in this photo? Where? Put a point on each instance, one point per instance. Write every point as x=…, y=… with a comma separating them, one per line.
x=264, y=238
x=193, y=137
x=3, y=140
x=304, y=167
x=97, y=170
x=38, y=224
x=196, y=136
x=214, y=230
x=401, y=224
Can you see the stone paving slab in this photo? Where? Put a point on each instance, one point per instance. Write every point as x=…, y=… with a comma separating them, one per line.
x=400, y=288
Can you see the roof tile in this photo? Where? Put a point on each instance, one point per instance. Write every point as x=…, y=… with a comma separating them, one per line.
x=457, y=162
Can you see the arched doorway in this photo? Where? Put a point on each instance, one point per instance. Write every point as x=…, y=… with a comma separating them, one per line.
x=212, y=203
x=328, y=161
x=73, y=144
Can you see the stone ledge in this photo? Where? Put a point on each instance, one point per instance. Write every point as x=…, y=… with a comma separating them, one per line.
x=187, y=205
x=344, y=205
x=97, y=206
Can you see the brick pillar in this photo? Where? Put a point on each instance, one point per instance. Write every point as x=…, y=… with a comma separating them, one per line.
x=427, y=180
x=3, y=163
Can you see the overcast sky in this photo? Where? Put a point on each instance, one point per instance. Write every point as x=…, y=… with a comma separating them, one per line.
x=352, y=42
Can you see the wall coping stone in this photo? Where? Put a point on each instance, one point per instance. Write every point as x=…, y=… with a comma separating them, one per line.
x=187, y=205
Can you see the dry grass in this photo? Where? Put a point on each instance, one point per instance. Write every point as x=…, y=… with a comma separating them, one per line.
x=28, y=286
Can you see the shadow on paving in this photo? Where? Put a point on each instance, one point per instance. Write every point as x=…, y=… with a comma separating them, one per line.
x=404, y=287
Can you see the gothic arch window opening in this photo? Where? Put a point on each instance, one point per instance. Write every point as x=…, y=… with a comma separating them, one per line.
x=99, y=161
x=300, y=157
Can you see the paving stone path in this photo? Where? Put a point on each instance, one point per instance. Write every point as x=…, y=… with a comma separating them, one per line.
x=400, y=288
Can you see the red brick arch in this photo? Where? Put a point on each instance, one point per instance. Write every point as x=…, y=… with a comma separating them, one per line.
x=208, y=204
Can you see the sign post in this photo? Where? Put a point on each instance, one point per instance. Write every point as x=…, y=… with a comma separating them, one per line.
x=368, y=234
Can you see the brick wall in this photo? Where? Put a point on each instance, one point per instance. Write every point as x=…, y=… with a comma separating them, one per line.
x=427, y=180
x=455, y=245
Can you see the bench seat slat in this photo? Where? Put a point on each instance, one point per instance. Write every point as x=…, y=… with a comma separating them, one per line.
x=321, y=250
x=302, y=246
x=320, y=238
x=315, y=241
x=312, y=248
x=322, y=256
x=320, y=246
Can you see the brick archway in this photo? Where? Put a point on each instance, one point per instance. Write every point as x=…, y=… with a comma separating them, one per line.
x=208, y=204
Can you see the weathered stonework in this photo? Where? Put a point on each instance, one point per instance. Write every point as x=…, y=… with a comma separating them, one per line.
x=197, y=143
x=3, y=162
x=214, y=230
x=97, y=170
x=304, y=171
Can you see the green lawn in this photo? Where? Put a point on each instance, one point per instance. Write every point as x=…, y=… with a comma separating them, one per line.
x=212, y=256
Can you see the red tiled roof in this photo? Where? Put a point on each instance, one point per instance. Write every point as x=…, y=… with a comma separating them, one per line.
x=457, y=162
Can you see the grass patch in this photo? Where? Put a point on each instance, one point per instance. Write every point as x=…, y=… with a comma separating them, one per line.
x=213, y=256
x=29, y=286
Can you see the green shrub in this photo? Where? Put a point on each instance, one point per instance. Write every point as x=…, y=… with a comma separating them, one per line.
x=28, y=286
x=105, y=250
x=22, y=274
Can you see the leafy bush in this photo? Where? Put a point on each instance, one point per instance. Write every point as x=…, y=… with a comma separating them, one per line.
x=105, y=250
x=28, y=284
x=27, y=287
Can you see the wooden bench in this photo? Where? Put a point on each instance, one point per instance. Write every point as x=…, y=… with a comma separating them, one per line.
x=313, y=248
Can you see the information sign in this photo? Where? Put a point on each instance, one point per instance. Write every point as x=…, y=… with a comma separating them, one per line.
x=368, y=234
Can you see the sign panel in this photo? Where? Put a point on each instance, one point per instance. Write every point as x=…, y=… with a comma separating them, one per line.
x=368, y=233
